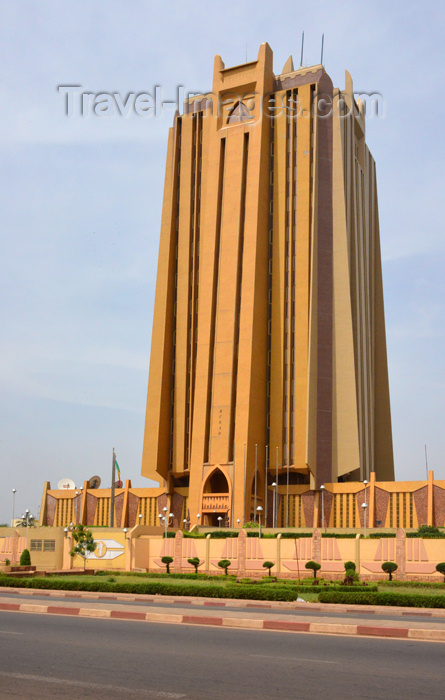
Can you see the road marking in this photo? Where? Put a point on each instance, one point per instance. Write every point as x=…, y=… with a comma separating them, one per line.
x=99, y=686
x=294, y=658
x=5, y=632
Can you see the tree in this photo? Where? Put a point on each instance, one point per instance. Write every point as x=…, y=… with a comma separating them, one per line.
x=224, y=564
x=268, y=565
x=441, y=569
x=315, y=566
x=25, y=558
x=167, y=561
x=349, y=566
x=389, y=567
x=194, y=561
x=84, y=542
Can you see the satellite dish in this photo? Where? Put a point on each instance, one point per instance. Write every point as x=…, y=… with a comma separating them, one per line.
x=118, y=484
x=94, y=482
x=66, y=484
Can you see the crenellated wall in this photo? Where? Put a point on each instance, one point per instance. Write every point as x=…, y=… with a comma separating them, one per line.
x=390, y=504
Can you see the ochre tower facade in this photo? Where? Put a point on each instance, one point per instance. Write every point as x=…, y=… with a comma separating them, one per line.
x=268, y=371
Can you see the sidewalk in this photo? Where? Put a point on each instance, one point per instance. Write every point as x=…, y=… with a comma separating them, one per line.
x=261, y=615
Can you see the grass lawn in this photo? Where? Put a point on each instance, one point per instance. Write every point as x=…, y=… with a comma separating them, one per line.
x=412, y=589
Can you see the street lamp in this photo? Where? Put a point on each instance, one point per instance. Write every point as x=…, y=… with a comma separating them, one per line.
x=27, y=519
x=219, y=521
x=364, y=506
x=125, y=533
x=65, y=529
x=274, y=486
x=322, y=505
x=140, y=518
x=14, y=491
x=238, y=521
x=167, y=522
x=259, y=511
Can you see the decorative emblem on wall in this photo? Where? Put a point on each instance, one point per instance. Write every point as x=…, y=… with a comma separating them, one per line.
x=106, y=549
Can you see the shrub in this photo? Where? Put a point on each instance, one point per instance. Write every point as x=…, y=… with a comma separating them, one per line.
x=351, y=577
x=111, y=579
x=389, y=567
x=439, y=567
x=349, y=566
x=314, y=566
x=167, y=561
x=7, y=562
x=224, y=564
x=194, y=561
x=25, y=558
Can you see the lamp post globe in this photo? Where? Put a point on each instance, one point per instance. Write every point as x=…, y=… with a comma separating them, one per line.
x=259, y=511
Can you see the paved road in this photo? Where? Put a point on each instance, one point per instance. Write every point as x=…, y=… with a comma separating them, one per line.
x=45, y=657
x=363, y=615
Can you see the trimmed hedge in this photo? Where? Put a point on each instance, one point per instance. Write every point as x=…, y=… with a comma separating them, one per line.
x=238, y=591
x=405, y=600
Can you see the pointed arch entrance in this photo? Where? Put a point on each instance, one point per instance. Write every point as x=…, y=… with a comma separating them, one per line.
x=216, y=498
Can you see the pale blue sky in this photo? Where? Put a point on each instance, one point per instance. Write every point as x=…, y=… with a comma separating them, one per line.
x=81, y=203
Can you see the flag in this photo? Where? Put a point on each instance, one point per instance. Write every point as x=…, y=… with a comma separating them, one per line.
x=118, y=473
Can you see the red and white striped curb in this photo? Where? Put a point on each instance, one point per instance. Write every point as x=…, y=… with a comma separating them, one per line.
x=229, y=602
x=233, y=622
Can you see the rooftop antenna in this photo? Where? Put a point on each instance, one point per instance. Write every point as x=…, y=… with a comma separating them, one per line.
x=322, y=47
x=426, y=463
x=302, y=47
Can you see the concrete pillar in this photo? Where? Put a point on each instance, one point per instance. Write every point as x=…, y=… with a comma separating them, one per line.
x=177, y=557
x=401, y=553
x=124, y=518
x=207, y=561
x=67, y=560
x=242, y=537
x=357, y=553
x=430, y=498
x=278, y=564
x=371, y=501
x=316, y=546
x=128, y=551
x=315, y=522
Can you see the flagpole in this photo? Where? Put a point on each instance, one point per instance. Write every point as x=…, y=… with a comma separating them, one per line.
x=265, y=494
x=113, y=478
x=256, y=482
x=244, y=488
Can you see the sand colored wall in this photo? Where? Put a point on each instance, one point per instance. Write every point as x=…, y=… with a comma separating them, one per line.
x=143, y=548
x=109, y=554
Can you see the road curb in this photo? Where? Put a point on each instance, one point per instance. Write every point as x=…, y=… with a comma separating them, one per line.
x=229, y=602
x=234, y=622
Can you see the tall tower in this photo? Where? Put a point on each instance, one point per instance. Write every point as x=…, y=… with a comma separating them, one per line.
x=268, y=361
